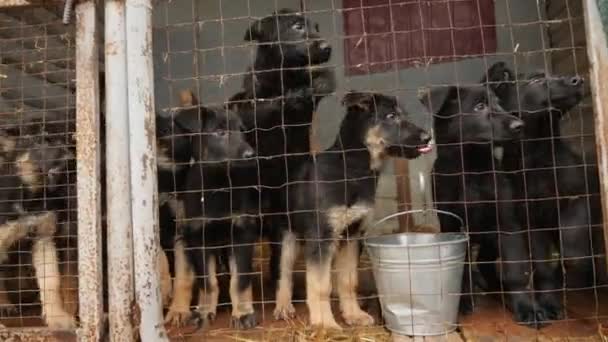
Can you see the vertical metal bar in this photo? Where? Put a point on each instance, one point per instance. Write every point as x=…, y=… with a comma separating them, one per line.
x=404, y=193
x=120, y=259
x=142, y=147
x=88, y=173
x=597, y=49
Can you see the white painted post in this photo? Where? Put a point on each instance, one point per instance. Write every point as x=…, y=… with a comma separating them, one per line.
x=120, y=243
x=142, y=147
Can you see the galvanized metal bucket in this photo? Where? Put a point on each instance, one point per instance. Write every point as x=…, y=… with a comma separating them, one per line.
x=419, y=278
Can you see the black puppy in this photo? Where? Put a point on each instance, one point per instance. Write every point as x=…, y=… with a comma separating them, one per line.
x=551, y=178
x=191, y=135
x=221, y=212
x=279, y=95
x=332, y=198
x=33, y=175
x=469, y=124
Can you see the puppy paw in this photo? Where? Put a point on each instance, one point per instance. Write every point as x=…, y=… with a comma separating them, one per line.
x=326, y=323
x=244, y=322
x=8, y=309
x=60, y=321
x=284, y=311
x=360, y=318
x=178, y=318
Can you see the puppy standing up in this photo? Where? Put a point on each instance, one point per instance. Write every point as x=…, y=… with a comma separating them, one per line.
x=333, y=197
x=222, y=213
x=174, y=152
x=280, y=93
x=487, y=200
x=194, y=134
x=554, y=182
x=33, y=170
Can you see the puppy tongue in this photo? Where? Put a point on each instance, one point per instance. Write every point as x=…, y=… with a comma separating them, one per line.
x=425, y=149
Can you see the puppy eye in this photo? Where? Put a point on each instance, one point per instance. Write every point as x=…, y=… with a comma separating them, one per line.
x=536, y=80
x=392, y=116
x=298, y=26
x=480, y=106
x=220, y=134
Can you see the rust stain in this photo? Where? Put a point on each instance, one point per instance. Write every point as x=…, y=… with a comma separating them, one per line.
x=111, y=48
x=150, y=123
x=147, y=46
x=35, y=334
x=144, y=164
x=135, y=319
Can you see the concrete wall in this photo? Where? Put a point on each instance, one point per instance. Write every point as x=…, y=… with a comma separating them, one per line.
x=215, y=30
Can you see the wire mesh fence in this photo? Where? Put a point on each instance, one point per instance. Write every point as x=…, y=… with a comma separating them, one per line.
x=37, y=123
x=253, y=224
x=283, y=134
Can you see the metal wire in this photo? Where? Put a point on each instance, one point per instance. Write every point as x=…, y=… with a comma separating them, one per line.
x=397, y=47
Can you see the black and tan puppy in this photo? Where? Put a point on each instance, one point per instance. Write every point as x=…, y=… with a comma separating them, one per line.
x=199, y=158
x=280, y=93
x=32, y=187
x=332, y=198
x=554, y=182
x=221, y=207
x=469, y=123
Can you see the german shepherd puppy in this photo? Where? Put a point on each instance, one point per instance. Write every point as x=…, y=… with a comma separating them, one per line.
x=33, y=177
x=334, y=195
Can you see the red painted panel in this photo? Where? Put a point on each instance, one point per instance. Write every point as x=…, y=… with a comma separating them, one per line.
x=380, y=33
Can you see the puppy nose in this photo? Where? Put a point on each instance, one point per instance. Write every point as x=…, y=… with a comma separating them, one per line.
x=516, y=126
x=425, y=137
x=248, y=153
x=325, y=46
x=576, y=80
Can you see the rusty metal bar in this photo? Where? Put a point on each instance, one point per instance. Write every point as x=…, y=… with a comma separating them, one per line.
x=120, y=258
x=35, y=335
x=88, y=173
x=597, y=49
x=142, y=154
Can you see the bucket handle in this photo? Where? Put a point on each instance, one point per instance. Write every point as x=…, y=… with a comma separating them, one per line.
x=416, y=211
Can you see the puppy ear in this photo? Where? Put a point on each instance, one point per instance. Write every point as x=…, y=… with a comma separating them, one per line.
x=500, y=77
x=499, y=72
x=254, y=32
x=7, y=145
x=187, y=98
x=435, y=98
x=192, y=119
x=359, y=101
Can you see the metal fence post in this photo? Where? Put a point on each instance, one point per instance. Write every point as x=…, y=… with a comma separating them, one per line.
x=88, y=173
x=120, y=259
x=142, y=148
